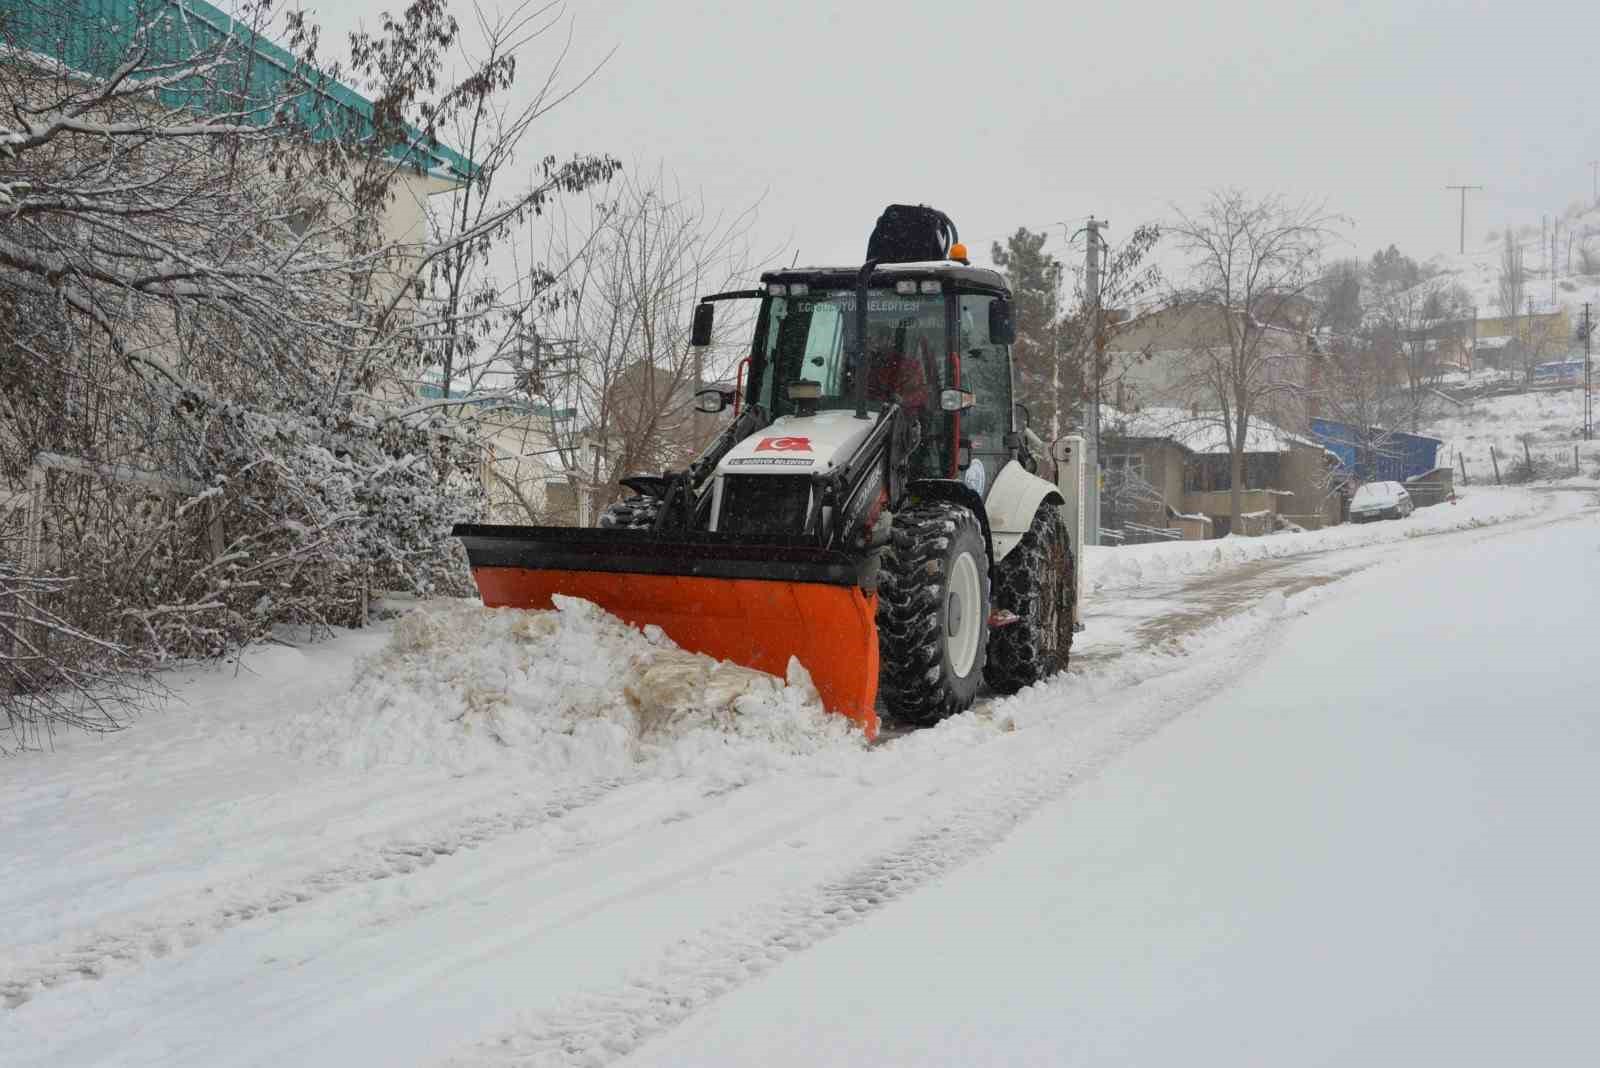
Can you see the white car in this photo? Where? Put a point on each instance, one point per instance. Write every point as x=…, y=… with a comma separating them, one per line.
x=1380, y=500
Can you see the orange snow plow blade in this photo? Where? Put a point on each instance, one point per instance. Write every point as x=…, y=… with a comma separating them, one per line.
x=755, y=602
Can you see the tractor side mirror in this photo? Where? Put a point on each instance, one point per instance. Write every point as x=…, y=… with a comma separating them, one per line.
x=700, y=334
x=711, y=401
x=1002, y=328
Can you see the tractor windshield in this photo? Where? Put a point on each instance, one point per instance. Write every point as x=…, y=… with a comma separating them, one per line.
x=812, y=338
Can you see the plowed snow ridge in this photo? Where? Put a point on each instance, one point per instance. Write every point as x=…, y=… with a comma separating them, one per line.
x=574, y=692
x=1134, y=565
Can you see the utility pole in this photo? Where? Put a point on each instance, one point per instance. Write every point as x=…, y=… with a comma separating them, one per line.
x=1055, y=351
x=1091, y=402
x=1550, y=255
x=1588, y=375
x=1472, y=356
x=1464, y=189
x=1527, y=348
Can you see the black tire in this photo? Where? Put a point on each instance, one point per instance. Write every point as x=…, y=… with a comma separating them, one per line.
x=1035, y=582
x=920, y=674
x=630, y=513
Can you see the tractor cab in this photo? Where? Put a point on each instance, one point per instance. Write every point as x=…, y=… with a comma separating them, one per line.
x=937, y=343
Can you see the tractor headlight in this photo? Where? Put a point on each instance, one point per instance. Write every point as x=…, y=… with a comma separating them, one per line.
x=956, y=400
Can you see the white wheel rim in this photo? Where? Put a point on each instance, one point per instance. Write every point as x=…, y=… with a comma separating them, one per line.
x=964, y=609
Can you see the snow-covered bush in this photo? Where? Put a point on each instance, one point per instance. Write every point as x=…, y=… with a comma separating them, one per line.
x=273, y=518
x=207, y=331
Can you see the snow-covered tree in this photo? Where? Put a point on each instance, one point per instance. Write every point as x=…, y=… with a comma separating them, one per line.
x=1513, y=278
x=1251, y=265
x=639, y=258
x=1090, y=366
x=1061, y=352
x=1417, y=324
x=207, y=317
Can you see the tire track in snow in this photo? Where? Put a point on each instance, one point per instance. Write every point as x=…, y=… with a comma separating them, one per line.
x=111, y=949
x=604, y=1026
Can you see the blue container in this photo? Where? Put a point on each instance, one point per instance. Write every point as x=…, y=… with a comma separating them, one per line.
x=1379, y=455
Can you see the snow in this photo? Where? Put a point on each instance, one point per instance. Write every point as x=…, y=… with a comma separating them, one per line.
x=1321, y=865
x=1201, y=432
x=1110, y=568
x=488, y=837
x=574, y=692
x=1478, y=271
x=1550, y=421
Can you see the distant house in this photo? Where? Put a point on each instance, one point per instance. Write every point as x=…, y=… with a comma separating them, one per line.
x=1163, y=464
x=1159, y=357
x=1513, y=342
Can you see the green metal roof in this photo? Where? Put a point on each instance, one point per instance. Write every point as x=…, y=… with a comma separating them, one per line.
x=93, y=35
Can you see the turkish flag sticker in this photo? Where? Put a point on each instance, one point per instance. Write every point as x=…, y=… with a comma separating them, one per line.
x=784, y=445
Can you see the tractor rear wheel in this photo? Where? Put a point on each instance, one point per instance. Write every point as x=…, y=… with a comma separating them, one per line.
x=933, y=613
x=1035, y=583
x=630, y=513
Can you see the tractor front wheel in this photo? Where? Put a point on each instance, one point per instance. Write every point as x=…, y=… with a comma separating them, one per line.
x=933, y=613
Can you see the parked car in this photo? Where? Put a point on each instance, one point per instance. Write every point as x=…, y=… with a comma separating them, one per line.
x=1380, y=500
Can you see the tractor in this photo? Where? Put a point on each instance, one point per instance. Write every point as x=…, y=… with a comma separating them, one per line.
x=874, y=508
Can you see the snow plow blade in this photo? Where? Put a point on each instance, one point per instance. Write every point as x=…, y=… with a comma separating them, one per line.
x=754, y=601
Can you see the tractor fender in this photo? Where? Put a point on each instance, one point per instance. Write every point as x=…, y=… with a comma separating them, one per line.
x=957, y=492
x=1013, y=502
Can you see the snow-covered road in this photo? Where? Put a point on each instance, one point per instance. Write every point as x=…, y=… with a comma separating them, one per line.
x=1376, y=848
x=248, y=880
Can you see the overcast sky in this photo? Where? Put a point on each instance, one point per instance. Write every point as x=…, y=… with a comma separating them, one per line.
x=1040, y=113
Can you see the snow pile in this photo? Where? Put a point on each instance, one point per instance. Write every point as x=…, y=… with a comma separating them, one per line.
x=568, y=692
x=1113, y=568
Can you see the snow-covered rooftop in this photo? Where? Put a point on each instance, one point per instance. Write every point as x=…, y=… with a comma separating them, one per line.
x=1200, y=433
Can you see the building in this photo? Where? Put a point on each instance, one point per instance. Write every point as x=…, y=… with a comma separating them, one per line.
x=1159, y=359
x=82, y=34
x=1170, y=468
x=54, y=49
x=1511, y=342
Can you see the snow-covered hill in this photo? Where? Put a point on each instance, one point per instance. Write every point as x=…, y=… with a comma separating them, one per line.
x=1546, y=424
x=1477, y=271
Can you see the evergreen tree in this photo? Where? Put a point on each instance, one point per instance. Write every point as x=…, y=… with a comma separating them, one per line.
x=1035, y=279
x=1392, y=269
x=1342, y=310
